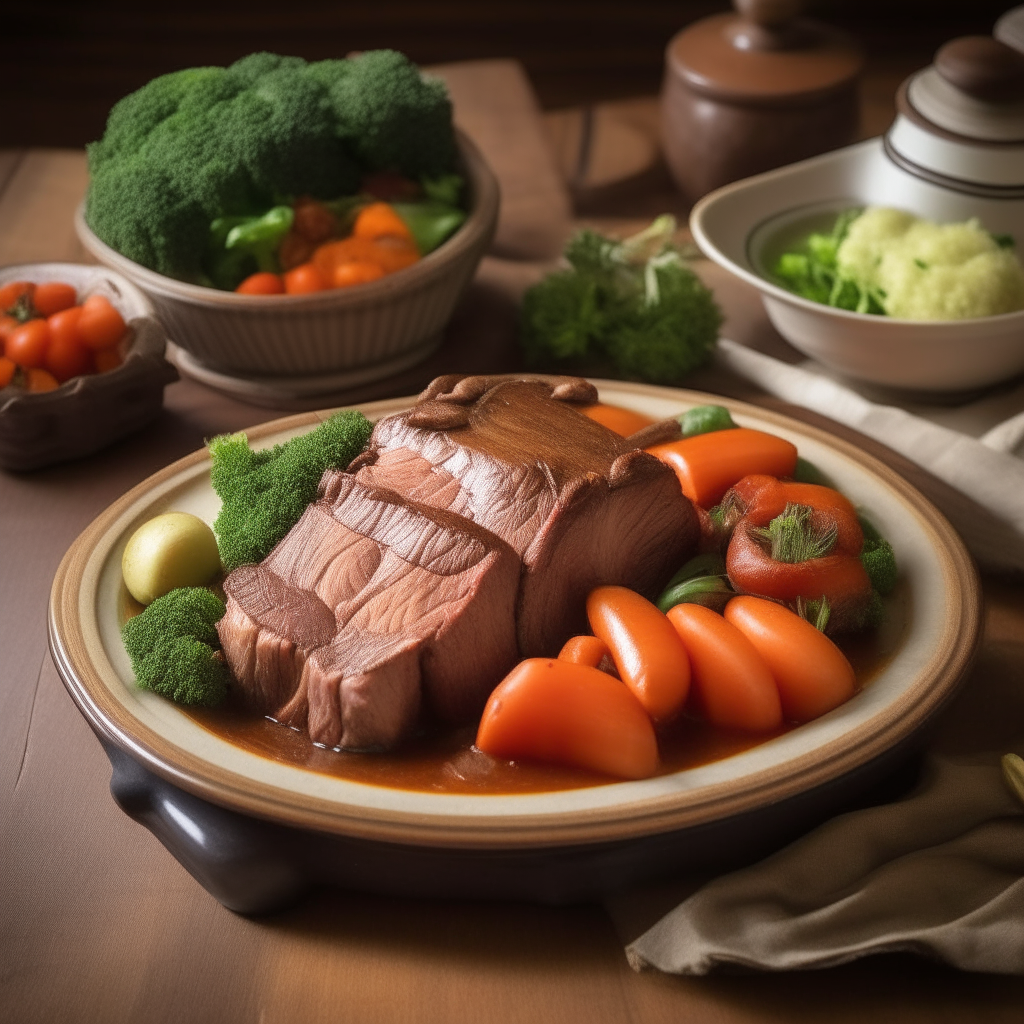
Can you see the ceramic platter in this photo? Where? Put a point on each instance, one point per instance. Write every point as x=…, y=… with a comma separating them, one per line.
x=933, y=656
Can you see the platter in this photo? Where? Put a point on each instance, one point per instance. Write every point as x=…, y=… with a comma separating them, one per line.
x=931, y=659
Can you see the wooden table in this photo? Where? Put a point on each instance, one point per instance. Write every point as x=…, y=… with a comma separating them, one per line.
x=99, y=923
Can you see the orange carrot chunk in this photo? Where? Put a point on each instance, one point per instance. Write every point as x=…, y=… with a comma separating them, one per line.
x=41, y=380
x=645, y=648
x=584, y=650
x=552, y=710
x=812, y=674
x=733, y=686
x=614, y=417
x=707, y=465
x=262, y=283
x=378, y=220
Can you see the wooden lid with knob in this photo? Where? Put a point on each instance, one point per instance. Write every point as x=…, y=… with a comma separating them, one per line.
x=983, y=67
x=765, y=54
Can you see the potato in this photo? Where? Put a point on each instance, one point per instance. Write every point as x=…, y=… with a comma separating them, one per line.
x=176, y=549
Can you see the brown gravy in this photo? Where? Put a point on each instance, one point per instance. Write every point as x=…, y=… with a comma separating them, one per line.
x=447, y=762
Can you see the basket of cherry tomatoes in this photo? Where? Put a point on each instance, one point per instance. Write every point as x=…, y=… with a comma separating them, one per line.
x=81, y=362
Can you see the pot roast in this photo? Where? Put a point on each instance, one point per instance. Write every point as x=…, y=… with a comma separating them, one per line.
x=466, y=536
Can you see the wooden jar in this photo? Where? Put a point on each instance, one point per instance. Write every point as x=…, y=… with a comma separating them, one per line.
x=753, y=90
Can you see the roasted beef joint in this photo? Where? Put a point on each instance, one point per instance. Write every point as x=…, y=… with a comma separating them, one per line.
x=466, y=536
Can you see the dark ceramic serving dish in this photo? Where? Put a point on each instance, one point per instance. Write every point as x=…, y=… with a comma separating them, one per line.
x=258, y=832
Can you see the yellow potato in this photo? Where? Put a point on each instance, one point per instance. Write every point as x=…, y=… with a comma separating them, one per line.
x=176, y=549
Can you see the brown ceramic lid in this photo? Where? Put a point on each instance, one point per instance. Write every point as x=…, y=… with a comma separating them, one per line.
x=764, y=54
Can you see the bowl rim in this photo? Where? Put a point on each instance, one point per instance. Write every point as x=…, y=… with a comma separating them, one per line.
x=837, y=748
x=709, y=247
x=484, y=194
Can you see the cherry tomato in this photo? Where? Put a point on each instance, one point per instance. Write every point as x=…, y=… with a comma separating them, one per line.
x=67, y=357
x=7, y=368
x=41, y=380
x=27, y=345
x=7, y=325
x=303, y=279
x=105, y=359
x=11, y=292
x=263, y=283
x=347, y=274
x=100, y=325
x=52, y=296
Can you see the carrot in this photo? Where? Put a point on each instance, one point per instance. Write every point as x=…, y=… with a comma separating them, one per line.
x=12, y=291
x=52, y=296
x=733, y=685
x=7, y=368
x=614, y=417
x=100, y=325
x=554, y=710
x=348, y=274
x=304, y=279
x=389, y=252
x=41, y=380
x=262, y=283
x=707, y=465
x=378, y=220
x=584, y=650
x=645, y=648
x=812, y=674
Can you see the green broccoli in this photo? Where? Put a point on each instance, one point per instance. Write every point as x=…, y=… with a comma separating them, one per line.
x=196, y=145
x=879, y=559
x=171, y=646
x=265, y=492
x=633, y=304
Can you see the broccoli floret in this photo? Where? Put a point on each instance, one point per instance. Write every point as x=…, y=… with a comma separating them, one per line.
x=634, y=304
x=203, y=143
x=265, y=492
x=878, y=558
x=393, y=117
x=171, y=646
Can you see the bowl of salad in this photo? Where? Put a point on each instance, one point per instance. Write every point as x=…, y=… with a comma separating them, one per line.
x=875, y=272
x=292, y=219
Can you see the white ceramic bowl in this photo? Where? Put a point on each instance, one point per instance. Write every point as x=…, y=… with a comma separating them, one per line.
x=400, y=315
x=87, y=413
x=740, y=227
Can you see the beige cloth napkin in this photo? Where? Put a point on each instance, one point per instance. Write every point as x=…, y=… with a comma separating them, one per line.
x=940, y=872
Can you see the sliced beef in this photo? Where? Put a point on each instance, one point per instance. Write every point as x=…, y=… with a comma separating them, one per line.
x=581, y=505
x=371, y=605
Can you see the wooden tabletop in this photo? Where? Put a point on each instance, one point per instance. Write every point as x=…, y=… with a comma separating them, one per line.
x=99, y=923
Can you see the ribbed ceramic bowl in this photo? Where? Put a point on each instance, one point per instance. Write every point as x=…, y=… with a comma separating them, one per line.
x=400, y=315
x=741, y=227
x=87, y=413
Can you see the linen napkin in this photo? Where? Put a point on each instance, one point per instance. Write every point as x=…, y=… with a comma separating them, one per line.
x=940, y=872
x=984, y=469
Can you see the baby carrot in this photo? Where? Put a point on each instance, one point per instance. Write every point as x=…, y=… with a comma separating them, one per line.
x=645, y=648
x=262, y=283
x=732, y=683
x=584, y=650
x=707, y=465
x=378, y=220
x=622, y=421
x=812, y=674
x=554, y=710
